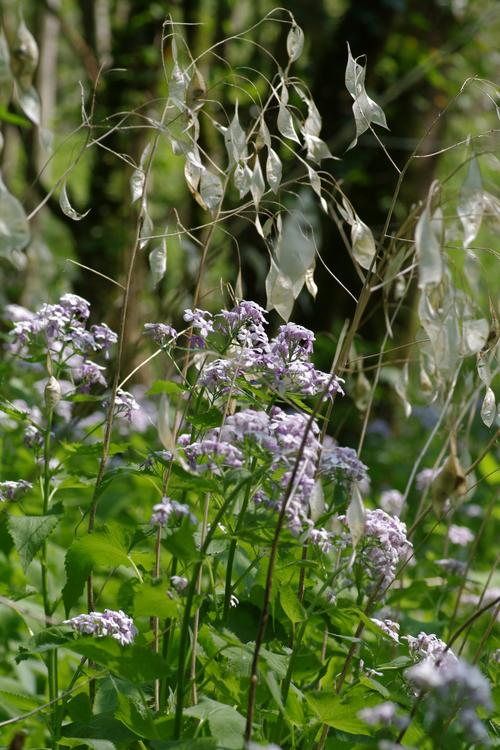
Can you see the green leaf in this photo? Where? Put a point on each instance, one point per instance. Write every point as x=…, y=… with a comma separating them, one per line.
x=135, y=663
x=330, y=709
x=291, y=605
x=181, y=542
x=153, y=600
x=133, y=712
x=193, y=743
x=14, y=229
x=29, y=533
x=87, y=553
x=226, y=724
x=93, y=744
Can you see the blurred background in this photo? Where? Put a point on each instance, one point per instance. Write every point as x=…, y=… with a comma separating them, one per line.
x=106, y=55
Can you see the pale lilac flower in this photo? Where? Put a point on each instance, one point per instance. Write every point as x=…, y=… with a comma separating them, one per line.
x=13, y=490
x=424, y=478
x=201, y=320
x=341, y=464
x=125, y=404
x=392, y=502
x=450, y=565
x=429, y=647
x=389, y=627
x=387, y=545
x=168, y=508
x=75, y=305
x=457, y=690
x=89, y=374
x=161, y=333
x=153, y=456
x=115, y=624
x=32, y=438
x=179, y=582
x=104, y=337
x=384, y=714
x=322, y=539
x=460, y=535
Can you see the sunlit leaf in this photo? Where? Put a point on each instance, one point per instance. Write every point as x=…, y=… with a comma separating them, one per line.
x=273, y=170
x=29, y=533
x=211, y=190
x=66, y=206
x=295, y=42
x=488, y=408
x=257, y=184
x=363, y=244
x=476, y=334
x=139, y=176
x=365, y=110
x=5, y=71
x=14, y=229
x=226, y=724
x=236, y=140
x=471, y=206
x=29, y=101
x=430, y=269
x=279, y=291
x=291, y=605
x=285, y=121
x=242, y=179
x=356, y=515
x=158, y=262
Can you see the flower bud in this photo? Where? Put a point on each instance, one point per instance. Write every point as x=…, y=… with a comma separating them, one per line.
x=52, y=393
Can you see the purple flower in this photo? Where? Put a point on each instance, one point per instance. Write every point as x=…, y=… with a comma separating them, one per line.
x=179, y=582
x=460, y=535
x=125, y=404
x=104, y=337
x=201, y=320
x=116, y=624
x=392, y=502
x=13, y=490
x=162, y=512
x=161, y=333
x=383, y=713
x=342, y=464
x=386, y=545
x=89, y=374
x=428, y=647
x=75, y=305
x=389, y=627
x=33, y=438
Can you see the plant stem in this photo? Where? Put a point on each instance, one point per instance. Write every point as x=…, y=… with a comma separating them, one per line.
x=52, y=655
x=183, y=643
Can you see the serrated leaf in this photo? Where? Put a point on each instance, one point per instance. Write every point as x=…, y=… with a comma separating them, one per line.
x=29, y=533
x=66, y=206
x=153, y=600
x=471, y=204
x=135, y=663
x=226, y=724
x=158, y=262
x=338, y=712
x=356, y=515
x=14, y=229
x=100, y=549
x=430, y=268
x=363, y=244
x=211, y=190
x=273, y=170
x=294, y=42
x=136, y=715
x=488, y=408
x=291, y=605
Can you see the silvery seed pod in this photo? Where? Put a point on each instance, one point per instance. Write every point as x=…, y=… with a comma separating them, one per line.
x=52, y=393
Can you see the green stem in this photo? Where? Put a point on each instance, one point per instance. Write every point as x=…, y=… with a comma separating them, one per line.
x=184, y=637
x=52, y=679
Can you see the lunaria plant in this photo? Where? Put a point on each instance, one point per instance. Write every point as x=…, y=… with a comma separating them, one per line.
x=209, y=563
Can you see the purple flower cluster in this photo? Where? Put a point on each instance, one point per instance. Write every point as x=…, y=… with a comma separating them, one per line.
x=116, y=624
x=430, y=647
x=455, y=689
x=161, y=333
x=125, y=404
x=387, y=545
x=283, y=363
x=13, y=490
x=33, y=438
x=342, y=464
x=168, y=508
x=384, y=714
x=62, y=329
x=389, y=627
x=277, y=438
